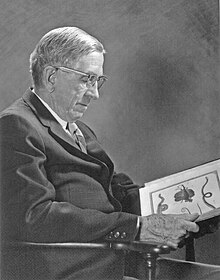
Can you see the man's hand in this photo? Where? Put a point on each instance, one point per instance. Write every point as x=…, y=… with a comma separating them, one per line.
x=167, y=229
x=207, y=226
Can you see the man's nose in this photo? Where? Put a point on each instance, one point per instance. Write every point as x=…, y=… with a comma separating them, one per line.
x=93, y=92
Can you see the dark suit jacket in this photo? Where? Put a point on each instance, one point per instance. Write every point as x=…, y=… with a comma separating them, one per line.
x=53, y=192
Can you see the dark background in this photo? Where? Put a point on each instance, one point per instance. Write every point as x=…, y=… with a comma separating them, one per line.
x=160, y=110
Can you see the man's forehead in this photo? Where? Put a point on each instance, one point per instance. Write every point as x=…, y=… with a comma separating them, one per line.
x=91, y=63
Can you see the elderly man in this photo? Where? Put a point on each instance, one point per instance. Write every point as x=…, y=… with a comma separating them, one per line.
x=58, y=184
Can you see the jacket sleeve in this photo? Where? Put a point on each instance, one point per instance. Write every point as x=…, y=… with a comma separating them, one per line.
x=30, y=211
x=126, y=192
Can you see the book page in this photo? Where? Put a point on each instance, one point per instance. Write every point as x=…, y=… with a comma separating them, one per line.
x=196, y=190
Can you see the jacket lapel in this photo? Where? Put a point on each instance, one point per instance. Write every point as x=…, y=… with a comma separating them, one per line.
x=95, y=153
x=93, y=147
x=46, y=118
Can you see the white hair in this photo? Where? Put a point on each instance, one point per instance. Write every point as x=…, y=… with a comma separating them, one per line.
x=61, y=46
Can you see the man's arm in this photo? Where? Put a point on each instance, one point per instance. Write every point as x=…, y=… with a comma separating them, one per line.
x=30, y=210
x=166, y=229
x=126, y=192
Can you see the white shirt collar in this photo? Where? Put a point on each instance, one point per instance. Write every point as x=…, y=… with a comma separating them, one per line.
x=60, y=121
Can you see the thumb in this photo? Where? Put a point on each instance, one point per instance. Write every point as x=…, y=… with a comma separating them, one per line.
x=189, y=217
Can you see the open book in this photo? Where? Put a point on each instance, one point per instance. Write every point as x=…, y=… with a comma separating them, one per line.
x=195, y=190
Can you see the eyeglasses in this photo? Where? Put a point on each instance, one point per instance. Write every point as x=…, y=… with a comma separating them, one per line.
x=89, y=79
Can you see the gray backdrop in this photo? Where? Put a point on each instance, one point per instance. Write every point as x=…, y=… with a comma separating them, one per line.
x=159, y=112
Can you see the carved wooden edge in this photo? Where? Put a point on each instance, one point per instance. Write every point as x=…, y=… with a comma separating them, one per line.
x=143, y=247
x=67, y=245
x=140, y=246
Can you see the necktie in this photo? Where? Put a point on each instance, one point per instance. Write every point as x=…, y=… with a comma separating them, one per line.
x=77, y=136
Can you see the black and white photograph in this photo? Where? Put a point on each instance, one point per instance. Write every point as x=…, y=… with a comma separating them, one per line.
x=109, y=140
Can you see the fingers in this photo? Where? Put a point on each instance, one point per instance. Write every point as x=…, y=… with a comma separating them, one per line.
x=173, y=244
x=186, y=221
x=188, y=217
x=190, y=226
x=176, y=242
x=183, y=227
x=191, y=217
x=167, y=229
x=193, y=227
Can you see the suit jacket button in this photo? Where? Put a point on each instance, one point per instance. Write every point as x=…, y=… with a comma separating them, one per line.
x=117, y=234
x=111, y=234
x=123, y=235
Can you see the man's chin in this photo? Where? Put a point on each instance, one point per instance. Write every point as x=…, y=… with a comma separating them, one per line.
x=75, y=116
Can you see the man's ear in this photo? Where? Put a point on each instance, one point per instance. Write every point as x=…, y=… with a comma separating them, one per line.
x=49, y=78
